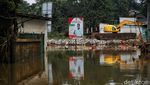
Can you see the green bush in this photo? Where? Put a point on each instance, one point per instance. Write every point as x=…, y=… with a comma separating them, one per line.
x=57, y=35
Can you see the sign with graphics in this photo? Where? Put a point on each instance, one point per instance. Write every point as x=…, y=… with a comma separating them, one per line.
x=75, y=27
x=76, y=67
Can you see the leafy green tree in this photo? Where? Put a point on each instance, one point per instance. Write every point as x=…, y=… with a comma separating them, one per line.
x=93, y=11
x=8, y=33
x=23, y=7
x=143, y=7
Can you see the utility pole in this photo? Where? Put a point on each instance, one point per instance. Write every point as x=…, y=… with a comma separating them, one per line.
x=148, y=20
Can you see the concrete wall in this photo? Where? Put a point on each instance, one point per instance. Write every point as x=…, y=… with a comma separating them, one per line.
x=36, y=26
x=126, y=18
x=101, y=27
x=129, y=28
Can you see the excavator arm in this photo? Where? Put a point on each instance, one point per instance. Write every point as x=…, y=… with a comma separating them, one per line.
x=127, y=22
x=115, y=29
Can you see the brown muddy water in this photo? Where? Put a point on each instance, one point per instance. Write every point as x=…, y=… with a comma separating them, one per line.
x=98, y=68
x=92, y=67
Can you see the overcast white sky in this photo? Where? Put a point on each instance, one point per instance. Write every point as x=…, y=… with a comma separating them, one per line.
x=30, y=1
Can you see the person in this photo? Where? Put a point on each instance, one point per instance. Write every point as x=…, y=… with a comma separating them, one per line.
x=78, y=32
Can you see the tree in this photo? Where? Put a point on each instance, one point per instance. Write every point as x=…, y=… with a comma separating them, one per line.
x=23, y=7
x=93, y=11
x=143, y=7
x=8, y=33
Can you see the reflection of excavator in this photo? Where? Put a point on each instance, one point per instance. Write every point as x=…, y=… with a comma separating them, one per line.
x=115, y=29
x=112, y=59
x=125, y=62
x=109, y=59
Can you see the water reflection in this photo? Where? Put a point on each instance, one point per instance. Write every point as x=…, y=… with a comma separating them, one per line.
x=98, y=67
x=128, y=61
x=76, y=67
x=11, y=74
x=27, y=63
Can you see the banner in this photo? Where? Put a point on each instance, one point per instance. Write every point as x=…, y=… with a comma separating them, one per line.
x=75, y=27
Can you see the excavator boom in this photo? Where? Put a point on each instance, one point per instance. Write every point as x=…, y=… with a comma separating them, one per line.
x=115, y=29
x=127, y=22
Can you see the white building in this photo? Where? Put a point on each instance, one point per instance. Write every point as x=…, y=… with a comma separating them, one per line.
x=130, y=28
x=33, y=24
x=101, y=27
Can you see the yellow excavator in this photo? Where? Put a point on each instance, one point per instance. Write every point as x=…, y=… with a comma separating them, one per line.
x=116, y=29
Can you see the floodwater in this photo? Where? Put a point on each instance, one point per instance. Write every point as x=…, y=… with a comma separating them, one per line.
x=72, y=67
x=98, y=68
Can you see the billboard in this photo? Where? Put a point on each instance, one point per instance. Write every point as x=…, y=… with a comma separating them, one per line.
x=75, y=27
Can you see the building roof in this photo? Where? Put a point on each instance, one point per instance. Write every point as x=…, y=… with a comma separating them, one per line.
x=32, y=16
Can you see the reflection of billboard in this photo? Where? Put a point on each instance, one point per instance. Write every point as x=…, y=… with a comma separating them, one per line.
x=75, y=27
x=76, y=67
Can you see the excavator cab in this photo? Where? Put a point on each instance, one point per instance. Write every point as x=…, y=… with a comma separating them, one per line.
x=111, y=28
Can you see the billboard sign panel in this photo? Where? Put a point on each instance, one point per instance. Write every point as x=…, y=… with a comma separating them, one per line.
x=75, y=27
